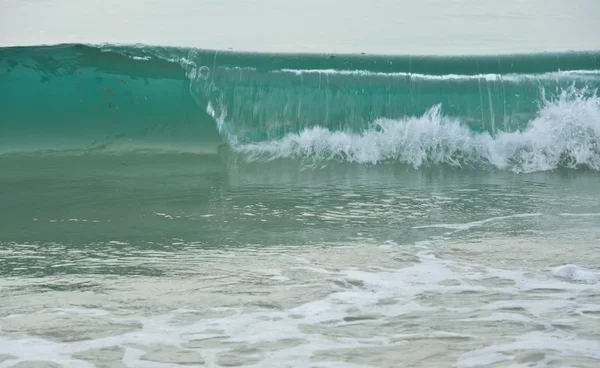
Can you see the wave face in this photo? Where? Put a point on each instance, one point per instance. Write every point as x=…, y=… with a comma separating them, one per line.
x=523, y=113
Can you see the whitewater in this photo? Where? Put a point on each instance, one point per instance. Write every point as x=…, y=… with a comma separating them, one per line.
x=565, y=134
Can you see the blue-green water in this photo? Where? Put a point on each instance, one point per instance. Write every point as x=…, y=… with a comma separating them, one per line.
x=165, y=207
x=516, y=112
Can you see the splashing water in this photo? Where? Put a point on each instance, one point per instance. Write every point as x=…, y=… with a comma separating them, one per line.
x=564, y=134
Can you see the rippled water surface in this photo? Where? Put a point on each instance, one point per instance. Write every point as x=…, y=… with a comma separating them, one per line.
x=177, y=260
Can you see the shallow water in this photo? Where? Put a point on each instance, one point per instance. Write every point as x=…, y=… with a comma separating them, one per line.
x=180, y=260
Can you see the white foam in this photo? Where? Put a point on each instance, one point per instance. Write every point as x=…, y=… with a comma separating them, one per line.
x=275, y=274
x=71, y=220
x=510, y=78
x=482, y=359
x=469, y=225
x=577, y=273
x=353, y=308
x=36, y=349
x=532, y=341
x=117, y=242
x=79, y=311
x=566, y=133
x=593, y=214
x=501, y=317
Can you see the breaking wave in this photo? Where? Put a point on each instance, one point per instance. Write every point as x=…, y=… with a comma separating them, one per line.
x=565, y=133
x=522, y=113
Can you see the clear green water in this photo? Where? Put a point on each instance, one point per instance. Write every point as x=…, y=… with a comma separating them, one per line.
x=166, y=207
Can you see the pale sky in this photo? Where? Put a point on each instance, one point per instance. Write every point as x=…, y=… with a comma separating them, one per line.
x=350, y=26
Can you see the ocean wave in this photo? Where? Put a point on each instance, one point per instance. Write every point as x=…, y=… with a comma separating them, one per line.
x=368, y=109
x=565, y=133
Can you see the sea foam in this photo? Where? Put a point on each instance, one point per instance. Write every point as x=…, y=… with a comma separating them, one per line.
x=565, y=133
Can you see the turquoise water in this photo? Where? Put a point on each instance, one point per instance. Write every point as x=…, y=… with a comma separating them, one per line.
x=168, y=206
x=517, y=112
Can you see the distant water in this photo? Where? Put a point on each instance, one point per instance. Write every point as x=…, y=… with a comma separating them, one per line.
x=180, y=206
